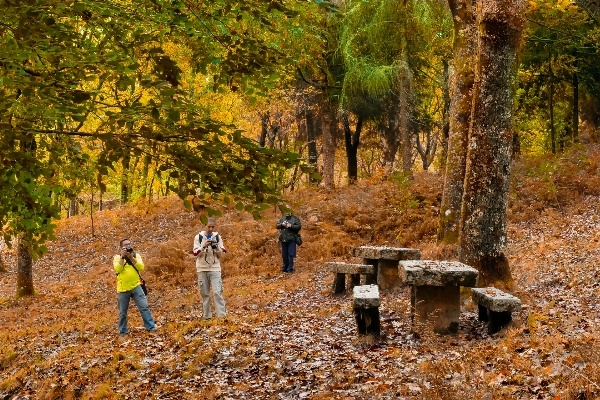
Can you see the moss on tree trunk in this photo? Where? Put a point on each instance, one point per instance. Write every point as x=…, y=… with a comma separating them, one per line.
x=465, y=41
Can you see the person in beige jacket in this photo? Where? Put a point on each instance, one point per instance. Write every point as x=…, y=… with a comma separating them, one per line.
x=209, y=249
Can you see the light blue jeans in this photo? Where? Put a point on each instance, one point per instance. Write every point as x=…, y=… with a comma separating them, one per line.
x=205, y=281
x=140, y=300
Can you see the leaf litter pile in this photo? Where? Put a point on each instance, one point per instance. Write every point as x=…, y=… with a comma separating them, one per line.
x=286, y=336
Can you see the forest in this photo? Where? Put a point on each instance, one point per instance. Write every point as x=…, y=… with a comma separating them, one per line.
x=467, y=129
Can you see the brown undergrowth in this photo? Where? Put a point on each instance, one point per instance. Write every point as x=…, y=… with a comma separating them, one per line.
x=286, y=336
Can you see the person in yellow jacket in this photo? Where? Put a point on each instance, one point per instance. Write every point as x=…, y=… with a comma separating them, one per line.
x=128, y=287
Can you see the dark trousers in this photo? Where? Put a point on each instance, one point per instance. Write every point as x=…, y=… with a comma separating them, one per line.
x=288, y=253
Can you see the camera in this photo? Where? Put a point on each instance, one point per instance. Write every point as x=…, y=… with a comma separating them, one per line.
x=214, y=242
x=129, y=249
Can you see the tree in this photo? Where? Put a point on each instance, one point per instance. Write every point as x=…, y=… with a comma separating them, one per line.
x=465, y=42
x=483, y=233
x=100, y=72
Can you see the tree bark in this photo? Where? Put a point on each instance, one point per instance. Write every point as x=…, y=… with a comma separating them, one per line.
x=484, y=211
x=445, y=115
x=330, y=125
x=24, y=270
x=575, y=108
x=264, y=128
x=352, y=143
x=73, y=208
x=391, y=133
x=312, y=141
x=145, y=170
x=125, y=177
x=551, y=104
x=405, y=99
x=465, y=47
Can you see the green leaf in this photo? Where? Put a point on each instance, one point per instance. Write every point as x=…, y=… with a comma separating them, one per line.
x=204, y=219
x=239, y=206
x=174, y=115
x=187, y=204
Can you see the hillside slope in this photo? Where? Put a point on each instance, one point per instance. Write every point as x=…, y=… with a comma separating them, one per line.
x=286, y=336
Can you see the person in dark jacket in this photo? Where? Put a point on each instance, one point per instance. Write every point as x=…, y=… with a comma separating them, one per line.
x=289, y=226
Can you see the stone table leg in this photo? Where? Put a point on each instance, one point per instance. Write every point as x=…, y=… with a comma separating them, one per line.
x=437, y=305
x=339, y=284
x=371, y=279
x=354, y=281
x=498, y=320
x=483, y=312
x=387, y=274
x=367, y=321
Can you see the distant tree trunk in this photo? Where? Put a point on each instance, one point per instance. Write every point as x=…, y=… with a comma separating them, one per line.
x=24, y=270
x=145, y=170
x=484, y=215
x=92, y=210
x=390, y=138
x=264, y=128
x=352, y=143
x=445, y=115
x=427, y=153
x=405, y=100
x=73, y=208
x=575, y=108
x=551, y=104
x=465, y=47
x=330, y=124
x=125, y=177
x=312, y=140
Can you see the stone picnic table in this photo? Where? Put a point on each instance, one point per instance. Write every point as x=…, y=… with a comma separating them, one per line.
x=435, y=291
x=385, y=261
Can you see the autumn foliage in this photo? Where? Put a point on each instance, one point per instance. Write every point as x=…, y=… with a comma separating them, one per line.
x=286, y=336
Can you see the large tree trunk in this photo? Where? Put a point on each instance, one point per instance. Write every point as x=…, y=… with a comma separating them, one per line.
x=487, y=179
x=330, y=124
x=352, y=143
x=465, y=47
x=24, y=270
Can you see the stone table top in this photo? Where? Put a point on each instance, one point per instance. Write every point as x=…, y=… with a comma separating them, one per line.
x=386, y=253
x=342, y=267
x=495, y=299
x=438, y=273
x=366, y=296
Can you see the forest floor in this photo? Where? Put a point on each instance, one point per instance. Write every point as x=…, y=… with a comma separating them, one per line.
x=286, y=336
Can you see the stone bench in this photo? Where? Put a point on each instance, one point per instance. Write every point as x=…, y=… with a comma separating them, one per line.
x=385, y=260
x=341, y=269
x=366, y=309
x=435, y=291
x=495, y=307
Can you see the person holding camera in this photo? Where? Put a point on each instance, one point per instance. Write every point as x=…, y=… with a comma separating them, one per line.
x=289, y=226
x=208, y=249
x=127, y=265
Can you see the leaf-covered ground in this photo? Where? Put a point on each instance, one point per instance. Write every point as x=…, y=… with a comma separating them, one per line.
x=286, y=336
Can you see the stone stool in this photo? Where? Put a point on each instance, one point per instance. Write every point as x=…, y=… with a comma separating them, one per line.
x=366, y=309
x=495, y=307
